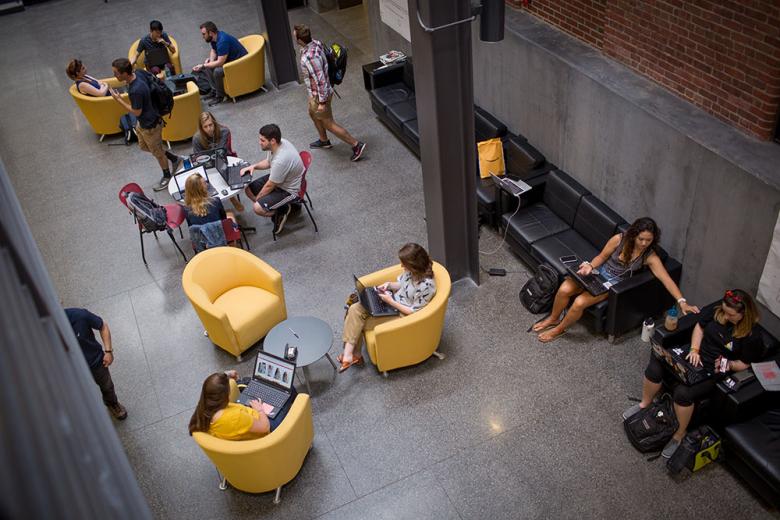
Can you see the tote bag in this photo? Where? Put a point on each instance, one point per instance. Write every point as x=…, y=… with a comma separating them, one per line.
x=491, y=158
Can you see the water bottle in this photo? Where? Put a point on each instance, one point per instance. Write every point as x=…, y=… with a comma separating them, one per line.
x=647, y=330
x=187, y=163
x=670, y=323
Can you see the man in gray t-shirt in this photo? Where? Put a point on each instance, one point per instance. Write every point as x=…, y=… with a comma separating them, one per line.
x=273, y=193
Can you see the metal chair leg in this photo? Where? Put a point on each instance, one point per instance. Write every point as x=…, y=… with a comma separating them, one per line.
x=438, y=354
x=385, y=374
x=310, y=202
x=173, y=239
x=316, y=230
x=278, y=497
x=102, y=136
x=141, y=236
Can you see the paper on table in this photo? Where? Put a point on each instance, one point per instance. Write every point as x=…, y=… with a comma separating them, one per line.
x=768, y=374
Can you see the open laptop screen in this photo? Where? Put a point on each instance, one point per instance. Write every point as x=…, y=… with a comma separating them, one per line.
x=274, y=370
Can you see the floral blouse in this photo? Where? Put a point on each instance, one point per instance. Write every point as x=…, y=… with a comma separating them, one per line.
x=414, y=295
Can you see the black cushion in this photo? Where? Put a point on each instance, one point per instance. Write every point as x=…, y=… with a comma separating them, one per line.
x=566, y=243
x=401, y=112
x=562, y=195
x=596, y=221
x=520, y=157
x=409, y=73
x=410, y=129
x=391, y=94
x=533, y=223
x=486, y=192
x=758, y=442
x=486, y=126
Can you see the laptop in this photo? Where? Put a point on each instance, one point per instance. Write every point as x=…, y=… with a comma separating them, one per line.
x=592, y=283
x=206, y=158
x=157, y=56
x=231, y=174
x=683, y=370
x=515, y=187
x=370, y=301
x=272, y=382
x=178, y=195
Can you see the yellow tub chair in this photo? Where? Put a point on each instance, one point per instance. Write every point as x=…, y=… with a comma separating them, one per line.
x=268, y=463
x=411, y=339
x=182, y=123
x=237, y=296
x=139, y=64
x=247, y=73
x=102, y=113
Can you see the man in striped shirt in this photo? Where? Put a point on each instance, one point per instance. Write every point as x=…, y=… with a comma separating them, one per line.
x=314, y=64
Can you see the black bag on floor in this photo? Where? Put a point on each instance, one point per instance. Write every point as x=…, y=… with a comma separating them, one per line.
x=538, y=293
x=650, y=429
x=127, y=125
x=697, y=449
x=147, y=212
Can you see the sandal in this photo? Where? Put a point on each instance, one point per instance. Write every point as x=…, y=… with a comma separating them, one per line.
x=549, y=339
x=542, y=329
x=356, y=360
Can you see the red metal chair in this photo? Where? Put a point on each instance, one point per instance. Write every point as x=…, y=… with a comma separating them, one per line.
x=175, y=215
x=303, y=197
x=234, y=233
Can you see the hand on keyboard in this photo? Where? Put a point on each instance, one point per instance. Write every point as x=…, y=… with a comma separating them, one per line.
x=256, y=404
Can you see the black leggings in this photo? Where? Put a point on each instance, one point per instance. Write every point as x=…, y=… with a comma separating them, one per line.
x=683, y=394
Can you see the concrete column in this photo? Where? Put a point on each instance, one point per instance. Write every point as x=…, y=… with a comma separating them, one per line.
x=445, y=115
x=280, y=49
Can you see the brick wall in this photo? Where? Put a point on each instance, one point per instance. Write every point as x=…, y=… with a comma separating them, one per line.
x=721, y=55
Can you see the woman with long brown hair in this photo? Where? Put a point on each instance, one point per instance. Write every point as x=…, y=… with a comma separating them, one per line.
x=85, y=84
x=211, y=135
x=200, y=207
x=412, y=291
x=722, y=341
x=217, y=416
x=624, y=254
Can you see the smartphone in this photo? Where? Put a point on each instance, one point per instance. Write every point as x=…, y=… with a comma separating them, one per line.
x=569, y=259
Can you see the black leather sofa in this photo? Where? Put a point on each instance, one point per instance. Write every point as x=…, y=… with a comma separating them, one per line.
x=391, y=90
x=748, y=418
x=560, y=217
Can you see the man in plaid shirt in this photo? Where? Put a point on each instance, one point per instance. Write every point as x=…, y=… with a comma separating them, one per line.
x=314, y=65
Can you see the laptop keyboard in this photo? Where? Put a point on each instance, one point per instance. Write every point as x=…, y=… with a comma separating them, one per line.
x=377, y=305
x=592, y=283
x=272, y=396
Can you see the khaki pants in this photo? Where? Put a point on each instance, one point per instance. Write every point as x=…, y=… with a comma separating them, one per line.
x=150, y=140
x=356, y=321
x=327, y=112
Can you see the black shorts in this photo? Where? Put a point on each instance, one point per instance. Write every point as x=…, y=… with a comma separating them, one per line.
x=274, y=200
x=683, y=394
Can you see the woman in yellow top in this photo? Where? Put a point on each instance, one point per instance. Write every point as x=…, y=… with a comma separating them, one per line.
x=217, y=416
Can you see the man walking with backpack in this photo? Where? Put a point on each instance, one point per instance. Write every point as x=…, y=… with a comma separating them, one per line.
x=149, y=127
x=314, y=64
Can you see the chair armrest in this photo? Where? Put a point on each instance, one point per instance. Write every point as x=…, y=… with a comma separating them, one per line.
x=214, y=319
x=384, y=76
x=639, y=297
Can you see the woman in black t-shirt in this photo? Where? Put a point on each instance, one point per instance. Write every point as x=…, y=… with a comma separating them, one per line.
x=723, y=332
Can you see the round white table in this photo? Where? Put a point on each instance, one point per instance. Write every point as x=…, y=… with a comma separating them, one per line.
x=311, y=335
x=214, y=177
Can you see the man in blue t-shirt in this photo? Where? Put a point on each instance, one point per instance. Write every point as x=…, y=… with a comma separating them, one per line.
x=98, y=357
x=149, y=126
x=157, y=49
x=224, y=49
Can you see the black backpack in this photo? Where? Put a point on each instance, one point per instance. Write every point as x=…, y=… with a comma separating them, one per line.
x=337, y=63
x=650, y=429
x=147, y=212
x=162, y=97
x=538, y=293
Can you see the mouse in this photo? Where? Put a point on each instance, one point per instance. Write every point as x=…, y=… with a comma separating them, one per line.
x=224, y=192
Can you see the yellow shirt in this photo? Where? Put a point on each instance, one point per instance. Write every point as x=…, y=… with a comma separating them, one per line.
x=234, y=423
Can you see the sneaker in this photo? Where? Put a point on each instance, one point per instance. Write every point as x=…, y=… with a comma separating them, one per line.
x=630, y=411
x=357, y=151
x=281, y=218
x=118, y=411
x=162, y=184
x=670, y=448
x=175, y=165
x=319, y=143
x=217, y=100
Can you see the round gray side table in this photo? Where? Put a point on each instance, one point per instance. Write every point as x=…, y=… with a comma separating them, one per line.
x=311, y=335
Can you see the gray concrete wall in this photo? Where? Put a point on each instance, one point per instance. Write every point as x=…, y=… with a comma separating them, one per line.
x=714, y=191
x=385, y=38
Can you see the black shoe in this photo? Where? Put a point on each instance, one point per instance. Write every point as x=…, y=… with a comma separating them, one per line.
x=281, y=218
x=118, y=411
x=160, y=186
x=217, y=101
x=357, y=151
x=207, y=95
x=319, y=143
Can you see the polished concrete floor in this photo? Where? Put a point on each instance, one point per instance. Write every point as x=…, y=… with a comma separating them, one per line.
x=504, y=427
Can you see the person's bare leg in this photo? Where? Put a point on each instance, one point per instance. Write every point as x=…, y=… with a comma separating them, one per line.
x=249, y=194
x=581, y=302
x=320, y=128
x=684, y=414
x=237, y=203
x=260, y=210
x=568, y=289
x=348, y=355
x=339, y=131
x=649, y=391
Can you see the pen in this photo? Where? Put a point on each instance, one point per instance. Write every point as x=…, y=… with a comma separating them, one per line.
x=294, y=334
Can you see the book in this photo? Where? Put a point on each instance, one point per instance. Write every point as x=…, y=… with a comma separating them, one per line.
x=768, y=374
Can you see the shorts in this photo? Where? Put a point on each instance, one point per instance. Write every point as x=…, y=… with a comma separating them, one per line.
x=150, y=139
x=327, y=113
x=682, y=394
x=274, y=200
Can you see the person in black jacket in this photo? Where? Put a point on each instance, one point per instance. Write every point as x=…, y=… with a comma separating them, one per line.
x=723, y=340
